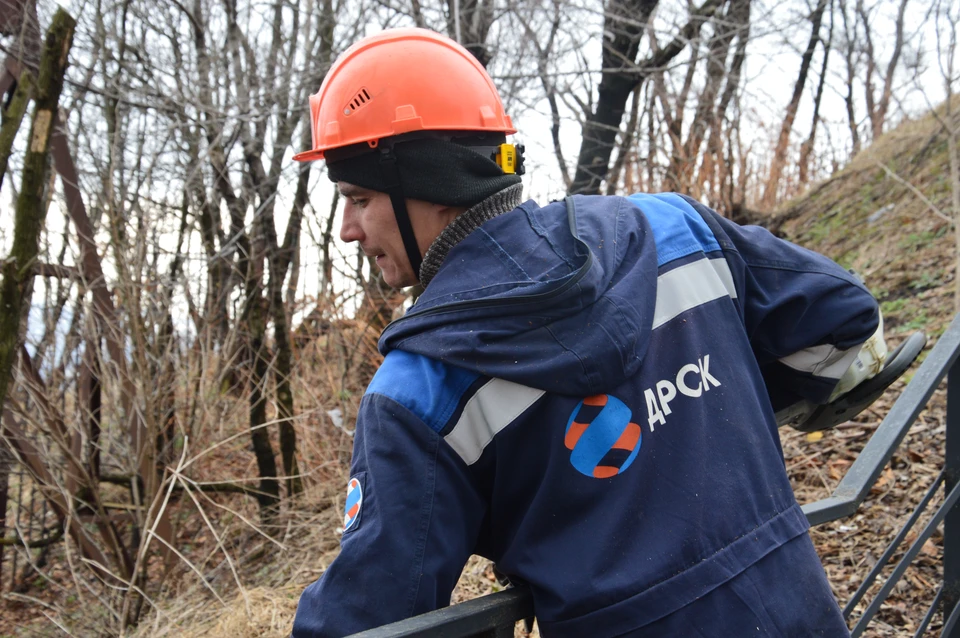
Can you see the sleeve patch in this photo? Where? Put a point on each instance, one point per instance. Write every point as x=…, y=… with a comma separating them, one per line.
x=354, y=503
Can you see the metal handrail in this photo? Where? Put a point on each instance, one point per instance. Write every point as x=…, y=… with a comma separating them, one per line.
x=494, y=615
x=490, y=616
x=862, y=475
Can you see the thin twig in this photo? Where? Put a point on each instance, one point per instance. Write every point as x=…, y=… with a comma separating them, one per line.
x=220, y=545
x=936, y=211
x=243, y=518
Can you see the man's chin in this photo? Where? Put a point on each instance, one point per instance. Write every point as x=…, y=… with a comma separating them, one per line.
x=398, y=281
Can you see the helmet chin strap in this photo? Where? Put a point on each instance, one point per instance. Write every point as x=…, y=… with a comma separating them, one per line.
x=391, y=176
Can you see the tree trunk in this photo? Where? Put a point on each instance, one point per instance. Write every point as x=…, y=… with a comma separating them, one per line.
x=878, y=116
x=268, y=495
x=91, y=406
x=780, y=152
x=280, y=262
x=6, y=465
x=807, y=147
x=850, y=37
x=623, y=25
x=625, y=148
x=651, y=164
x=30, y=209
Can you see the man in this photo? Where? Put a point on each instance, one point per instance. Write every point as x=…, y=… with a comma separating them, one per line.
x=584, y=393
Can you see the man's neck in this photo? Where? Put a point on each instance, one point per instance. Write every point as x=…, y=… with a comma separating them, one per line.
x=501, y=202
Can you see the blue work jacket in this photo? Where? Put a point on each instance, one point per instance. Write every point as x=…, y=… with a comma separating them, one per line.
x=585, y=395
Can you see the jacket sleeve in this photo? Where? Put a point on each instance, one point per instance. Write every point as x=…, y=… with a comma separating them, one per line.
x=408, y=532
x=806, y=317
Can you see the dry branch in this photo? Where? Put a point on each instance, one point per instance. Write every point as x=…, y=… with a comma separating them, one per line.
x=29, y=457
x=43, y=541
x=916, y=191
x=619, y=78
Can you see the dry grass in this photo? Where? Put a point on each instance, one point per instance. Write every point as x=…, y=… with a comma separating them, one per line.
x=258, y=612
x=225, y=554
x=259, y=596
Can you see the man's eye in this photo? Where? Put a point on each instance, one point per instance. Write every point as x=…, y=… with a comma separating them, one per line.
x=358, y=202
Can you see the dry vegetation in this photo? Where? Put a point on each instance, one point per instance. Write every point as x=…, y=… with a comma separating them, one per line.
x=237, y=567
x=905, y=254
x=250, y=583
x=232, y=565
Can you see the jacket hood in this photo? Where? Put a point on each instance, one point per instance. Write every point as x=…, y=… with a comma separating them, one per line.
x=541, y=297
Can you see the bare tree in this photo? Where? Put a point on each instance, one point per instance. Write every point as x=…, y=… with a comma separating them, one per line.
x=623, y=27
x=783, y=140
x=168, y=351
x=851, y=57
x=624, y=23
x=807, y=147
x=878, y=105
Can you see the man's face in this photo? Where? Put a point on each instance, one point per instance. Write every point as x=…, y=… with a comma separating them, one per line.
x=368, y=218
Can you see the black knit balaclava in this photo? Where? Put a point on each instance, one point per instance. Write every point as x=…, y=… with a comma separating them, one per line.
x=433, y=170
x=440, y=171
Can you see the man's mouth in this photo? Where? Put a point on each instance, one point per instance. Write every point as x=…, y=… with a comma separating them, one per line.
x=376, y=256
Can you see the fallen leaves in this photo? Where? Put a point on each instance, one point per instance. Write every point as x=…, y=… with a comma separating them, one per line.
x=849, y=547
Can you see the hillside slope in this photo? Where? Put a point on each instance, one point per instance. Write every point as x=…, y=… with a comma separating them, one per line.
x=867, y=218
x=885, y=215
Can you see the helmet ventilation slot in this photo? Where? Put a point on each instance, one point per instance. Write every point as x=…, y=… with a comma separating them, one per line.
x=361, y=98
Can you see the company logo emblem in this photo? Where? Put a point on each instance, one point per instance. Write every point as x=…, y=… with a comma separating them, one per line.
x=601, y=437
x=351, y=509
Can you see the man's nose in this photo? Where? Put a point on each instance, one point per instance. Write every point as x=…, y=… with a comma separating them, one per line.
x=350, y=228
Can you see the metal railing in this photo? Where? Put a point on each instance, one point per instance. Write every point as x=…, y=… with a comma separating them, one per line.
x=495, y=615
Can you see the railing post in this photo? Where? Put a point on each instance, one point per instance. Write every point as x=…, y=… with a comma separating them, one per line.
x=951, y=524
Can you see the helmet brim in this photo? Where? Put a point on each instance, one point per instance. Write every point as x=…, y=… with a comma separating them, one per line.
x=308, y=156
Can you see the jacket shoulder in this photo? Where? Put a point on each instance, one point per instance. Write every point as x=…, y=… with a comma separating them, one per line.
x=428, y=388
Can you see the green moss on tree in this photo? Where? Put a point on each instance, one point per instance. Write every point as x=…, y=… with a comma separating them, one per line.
x=17, y=269
x=13, y=117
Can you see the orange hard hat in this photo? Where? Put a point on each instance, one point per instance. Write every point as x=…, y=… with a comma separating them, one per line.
x=400, y=81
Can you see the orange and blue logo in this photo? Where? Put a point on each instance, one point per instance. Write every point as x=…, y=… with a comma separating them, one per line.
x=351, y=509
x=601, y=437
